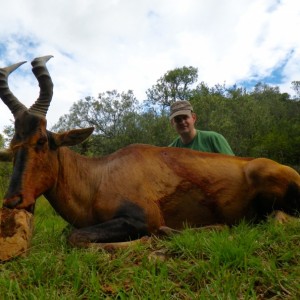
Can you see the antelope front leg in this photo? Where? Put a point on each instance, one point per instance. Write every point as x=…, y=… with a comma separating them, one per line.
x=118, y=230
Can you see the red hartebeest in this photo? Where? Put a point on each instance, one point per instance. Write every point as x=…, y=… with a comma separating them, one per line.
x=138, y=189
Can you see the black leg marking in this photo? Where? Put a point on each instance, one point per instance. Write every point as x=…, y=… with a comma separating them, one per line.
x=292, y=200
x=262, y=206
x=128, y=224
x=290, y=203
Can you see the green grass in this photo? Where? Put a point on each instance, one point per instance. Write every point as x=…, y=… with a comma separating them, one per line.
x=244, y=262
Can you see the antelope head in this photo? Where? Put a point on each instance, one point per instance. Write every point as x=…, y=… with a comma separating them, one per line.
x=33, y=148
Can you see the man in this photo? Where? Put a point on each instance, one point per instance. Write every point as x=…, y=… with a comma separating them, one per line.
x=183, y=121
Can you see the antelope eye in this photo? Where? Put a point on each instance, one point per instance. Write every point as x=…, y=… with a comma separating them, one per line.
x=41, y=141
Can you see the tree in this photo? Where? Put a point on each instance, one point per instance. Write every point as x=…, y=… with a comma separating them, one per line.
x=8, y=134
x=105, y=113
x=250, y=121
x=172, y=86
x=296, y=87
x=118, y=120
x=1, y=141
x=5, y=167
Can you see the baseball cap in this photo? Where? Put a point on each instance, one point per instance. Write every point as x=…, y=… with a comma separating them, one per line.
x=181, y=107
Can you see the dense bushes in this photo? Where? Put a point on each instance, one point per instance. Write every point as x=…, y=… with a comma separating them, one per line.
x=259, y=123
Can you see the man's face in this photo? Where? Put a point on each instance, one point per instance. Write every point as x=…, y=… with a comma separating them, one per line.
x=184, y=123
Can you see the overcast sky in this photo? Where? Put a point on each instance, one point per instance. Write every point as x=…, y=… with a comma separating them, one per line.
x=129, y=44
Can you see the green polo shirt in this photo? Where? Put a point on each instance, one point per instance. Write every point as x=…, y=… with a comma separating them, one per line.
x=207, y=141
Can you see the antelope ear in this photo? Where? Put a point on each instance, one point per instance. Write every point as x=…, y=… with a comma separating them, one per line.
x=5, y=155
x=72, y=137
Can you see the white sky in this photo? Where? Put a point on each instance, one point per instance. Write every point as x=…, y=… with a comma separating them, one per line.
x=113, y=44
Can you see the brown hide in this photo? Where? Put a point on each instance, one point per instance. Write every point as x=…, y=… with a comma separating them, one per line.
x=173, y=186
x=169, y=186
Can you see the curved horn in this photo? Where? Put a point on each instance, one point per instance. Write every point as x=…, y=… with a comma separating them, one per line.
x=6, y=95
x=41, y=73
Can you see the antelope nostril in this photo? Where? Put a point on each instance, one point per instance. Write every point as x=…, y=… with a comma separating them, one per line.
x=13, y=202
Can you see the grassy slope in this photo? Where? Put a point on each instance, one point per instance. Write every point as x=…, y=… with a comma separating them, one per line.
x=245, y=262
